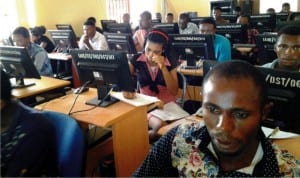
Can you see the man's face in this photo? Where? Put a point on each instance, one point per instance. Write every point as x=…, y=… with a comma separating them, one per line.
x=145, y=23
x=169, y=19
x=89, y=30
x=286, y=9
x=207, y=28
x=183, y=23
x=287, y=49
x=232, y=114
x=126, y=18
x=217, y=14
x=20, y=40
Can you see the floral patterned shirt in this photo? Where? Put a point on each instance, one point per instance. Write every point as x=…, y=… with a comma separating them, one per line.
x=184, y=152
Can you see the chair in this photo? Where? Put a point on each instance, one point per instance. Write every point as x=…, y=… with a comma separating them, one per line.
x=71, y=144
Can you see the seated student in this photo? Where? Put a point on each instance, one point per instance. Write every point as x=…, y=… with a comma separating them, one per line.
x=286, y=8
x=252, y=32
x=271, y=11
x=38, y=37
x=93, y=19
x=231, y=143
x=91, y=39
x=222, y=45
x=37, y=53
x=170, y=18
x=217, y=15
x=145, y=26
x=287, y=49
x=185, y=26
x=27, y=138
x=158, y=17
x=156, y=73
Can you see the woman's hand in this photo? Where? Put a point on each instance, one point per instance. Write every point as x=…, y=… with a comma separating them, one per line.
x=159, y=60
x=128, y=94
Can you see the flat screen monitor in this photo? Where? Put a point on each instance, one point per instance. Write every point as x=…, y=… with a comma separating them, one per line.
x=64, y=40
x=230, y=17
x=103, y=69
x=120, y=42
x=283, y=92
x=155, y=21
x=236, y=33
x=105, y=23
x=263, y=22
x=16, y=62
x=119, y=28
x=65, y=27
x=281, y=17
x=265, y=47
x=169, y=28
x=193, y=47
x=197, y=20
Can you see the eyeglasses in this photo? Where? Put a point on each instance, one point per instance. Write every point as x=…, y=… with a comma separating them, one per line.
x=284, y=47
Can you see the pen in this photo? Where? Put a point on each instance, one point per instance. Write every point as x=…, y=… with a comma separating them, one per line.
x=273, y=132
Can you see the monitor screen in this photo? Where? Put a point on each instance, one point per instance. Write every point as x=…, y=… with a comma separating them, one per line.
x=236, y=33
x=263, y=22
x=281, y=17
x=283, y=92
x=155, y=21
x=120, y=42
x=265, y=47
x=63, y=39
x=169, y=28
x=119, y=28
x=65, y=27
x=7, y=41
x=193, y=47
x=16, y=62
x=103, y=69
x=104, y=24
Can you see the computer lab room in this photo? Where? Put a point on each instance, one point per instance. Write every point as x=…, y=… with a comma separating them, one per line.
x=157, y=88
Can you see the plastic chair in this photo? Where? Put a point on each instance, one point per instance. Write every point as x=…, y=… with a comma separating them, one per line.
x=71, y=144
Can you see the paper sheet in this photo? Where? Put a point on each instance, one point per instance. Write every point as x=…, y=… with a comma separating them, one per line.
x=280, y=134
x=139, y=100
x=171, y=111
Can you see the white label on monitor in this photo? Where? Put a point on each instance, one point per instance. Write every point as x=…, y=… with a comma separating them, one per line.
x=98, y=75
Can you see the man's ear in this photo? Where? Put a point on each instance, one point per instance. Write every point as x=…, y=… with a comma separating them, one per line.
x=267, y=108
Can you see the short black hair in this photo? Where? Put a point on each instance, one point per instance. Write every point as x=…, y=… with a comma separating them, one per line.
x=89, y=22
x=170, y=14
x=209, y=20
x=93, y=19
x=146, y=14
x=21, y=31
x=5, y=87
x=289, y=30
x=38, y=31
x=217, y=8
x=286, y=4
x=237, y=69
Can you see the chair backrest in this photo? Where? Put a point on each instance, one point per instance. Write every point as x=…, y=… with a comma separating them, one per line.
x=71, y=144
x=182, y=84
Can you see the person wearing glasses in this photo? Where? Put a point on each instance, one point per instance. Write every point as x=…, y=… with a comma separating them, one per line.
x=287, y=49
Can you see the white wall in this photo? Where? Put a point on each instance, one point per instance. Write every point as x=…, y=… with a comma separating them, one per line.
x=276, y=4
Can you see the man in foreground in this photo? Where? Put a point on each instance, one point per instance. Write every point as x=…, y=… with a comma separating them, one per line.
x=231, y=144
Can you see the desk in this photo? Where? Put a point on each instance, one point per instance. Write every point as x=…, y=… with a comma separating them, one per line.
x=291, y=144
x=191, y=72
x=43, y=85
x=128, y=123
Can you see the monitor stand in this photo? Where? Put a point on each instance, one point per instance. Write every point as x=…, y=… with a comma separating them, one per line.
x=103, y=99
x=19, y=83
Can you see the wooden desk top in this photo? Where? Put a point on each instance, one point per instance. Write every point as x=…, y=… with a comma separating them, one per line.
x=291, y=144
x=59, y=56
x=192, y=72
x=103, y=117
x=41, y=85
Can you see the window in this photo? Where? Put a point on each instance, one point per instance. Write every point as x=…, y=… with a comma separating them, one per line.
x=265, y=4
x=8, y=18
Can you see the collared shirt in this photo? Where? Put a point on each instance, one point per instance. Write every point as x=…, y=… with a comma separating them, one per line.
x=273, y=64
x=191, y=28
x=40, y=59
x=98, y=42
x=222, y=48
x=139, y=38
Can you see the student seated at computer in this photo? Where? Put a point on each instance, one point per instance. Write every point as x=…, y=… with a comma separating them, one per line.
x=287, y=49
x=222, y=45
x=38, y=54
x=252, y=32
x=93, y=19
x=185, y=26
x=91, y=39
x=156, y=73
x=170, y=18
x=145, y=25
x=27, y=138
x=217, y=15
x=38, y=36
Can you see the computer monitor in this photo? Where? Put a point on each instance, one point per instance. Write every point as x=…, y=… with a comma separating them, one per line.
x=263, y=22
x=193, y=47
x=230, y=17
x=284, y=92
x=265, y=47
x=155, y=21
x=197, y=20
x=169, y=28
x=105, y=23
x=120, y=42
x=16, y=62
x=64, y=40
x=103, y=69
x=281, y=17
x=119, y=28
x=236, y=33
x=66, y=27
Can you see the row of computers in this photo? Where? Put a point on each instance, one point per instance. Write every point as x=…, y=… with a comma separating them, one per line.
x=101, y=69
